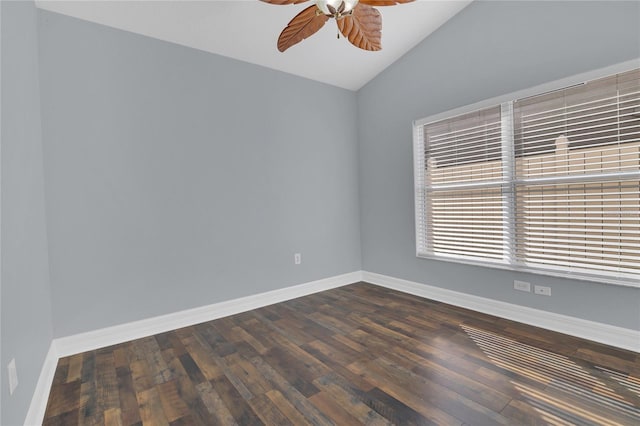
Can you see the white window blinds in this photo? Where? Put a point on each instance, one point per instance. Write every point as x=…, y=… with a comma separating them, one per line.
x=464, y=181
x=578, y=156
x=545, y=183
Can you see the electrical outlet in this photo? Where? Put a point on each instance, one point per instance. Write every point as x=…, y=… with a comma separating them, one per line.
x=297, y=258
x=13, y=376
x=542, y=291
x=522, y=285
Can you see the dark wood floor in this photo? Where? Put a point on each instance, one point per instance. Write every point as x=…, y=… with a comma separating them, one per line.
x=359, y=354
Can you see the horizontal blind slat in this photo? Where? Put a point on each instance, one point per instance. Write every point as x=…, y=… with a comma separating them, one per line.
x=567, y=191
x=586, y=224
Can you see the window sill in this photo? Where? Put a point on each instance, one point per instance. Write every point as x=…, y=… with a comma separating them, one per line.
x=601, y=279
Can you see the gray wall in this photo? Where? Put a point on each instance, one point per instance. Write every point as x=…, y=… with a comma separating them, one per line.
x=177, y=178
x=489, y=49
x=26, y=306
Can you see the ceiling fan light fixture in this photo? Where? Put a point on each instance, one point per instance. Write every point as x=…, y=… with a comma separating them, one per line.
x=326, y=5
x=358, y=21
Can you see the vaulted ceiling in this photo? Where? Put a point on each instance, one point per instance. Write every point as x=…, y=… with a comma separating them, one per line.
x=248, y=30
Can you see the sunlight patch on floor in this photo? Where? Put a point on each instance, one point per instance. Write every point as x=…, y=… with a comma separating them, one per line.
x=594, y=393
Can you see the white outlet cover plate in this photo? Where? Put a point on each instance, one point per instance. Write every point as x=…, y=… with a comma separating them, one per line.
x=542, y=290
x=13, y=376
x=522, y=285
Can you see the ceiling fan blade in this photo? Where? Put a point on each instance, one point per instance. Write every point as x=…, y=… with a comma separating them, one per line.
x=363, y=28
x=305, y=24
x=284, y=1
x=383, y=2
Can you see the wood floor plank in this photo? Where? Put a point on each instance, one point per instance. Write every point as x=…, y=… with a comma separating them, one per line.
x=67, y=398
x=75, y=368
x=151, y=411
x=194, y=372
x=268, y=411
x=521, y=412
x=155, y=361
x=463, y=385
x=113, y=417
x=201, y=357
x=128, y=403
x=141, y=375
x=345, y=398
x=89, y=413
x=313, y=367
x=214, y=403
x=358, y=354
x=398, y=390
x=62, y=371
x=247, y=373
x=333, y=409
x=244, y=336
x=258, y=330
x=199, y=412
x=285, y=365
x=215, y=340
x=336, y=356
x=235, y=402
x=173, y=406
x=106, y=381
x=120, y=357
x=228, y=373
x=298, y=400
x=292, y=334
x=285, y=406
x=70, y=418
x=392, y=409
x=450, y=401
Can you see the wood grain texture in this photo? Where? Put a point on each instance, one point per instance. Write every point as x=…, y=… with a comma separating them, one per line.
x=358, y=354
x=363, y=28
x=303, y=25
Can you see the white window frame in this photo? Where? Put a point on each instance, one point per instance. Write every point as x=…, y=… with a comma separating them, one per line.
x=506, y=101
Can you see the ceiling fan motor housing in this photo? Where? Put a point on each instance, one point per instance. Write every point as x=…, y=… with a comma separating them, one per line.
x=337, y=9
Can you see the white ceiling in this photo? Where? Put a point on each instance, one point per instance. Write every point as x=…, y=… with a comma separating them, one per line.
x=248, y=30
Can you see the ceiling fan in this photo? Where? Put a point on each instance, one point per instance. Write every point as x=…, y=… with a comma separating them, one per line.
x=357, y=20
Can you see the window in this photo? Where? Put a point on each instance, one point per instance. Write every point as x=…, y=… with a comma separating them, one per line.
x=547, y=183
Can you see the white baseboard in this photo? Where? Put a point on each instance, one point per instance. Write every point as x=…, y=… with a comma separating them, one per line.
x=65, y=346
x=608, y=334
x=35, y=415
x=147, y=327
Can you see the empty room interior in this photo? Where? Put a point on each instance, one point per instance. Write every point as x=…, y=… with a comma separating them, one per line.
x=289, y=212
